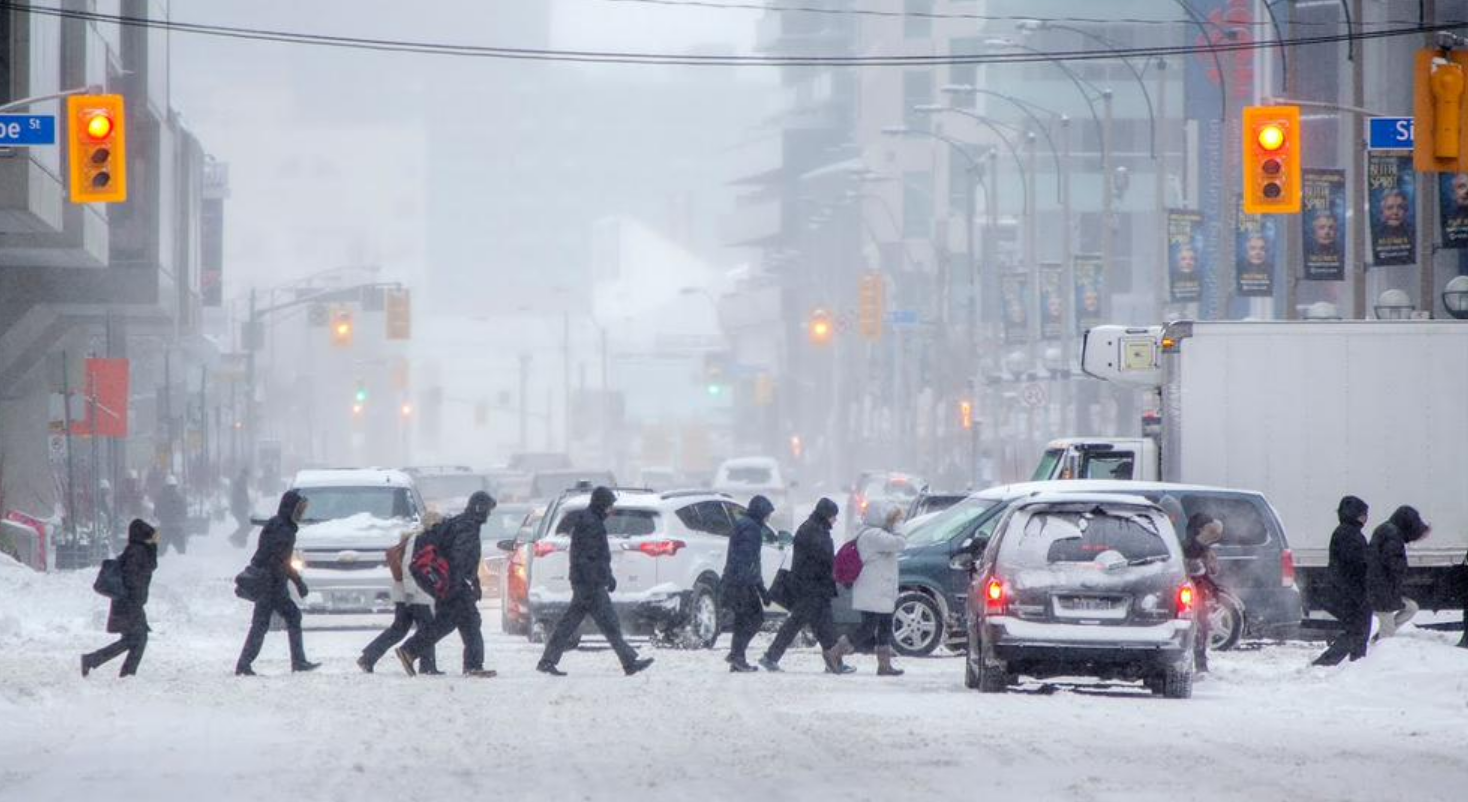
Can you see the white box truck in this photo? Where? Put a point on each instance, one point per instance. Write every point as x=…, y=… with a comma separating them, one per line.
x=1304, y=412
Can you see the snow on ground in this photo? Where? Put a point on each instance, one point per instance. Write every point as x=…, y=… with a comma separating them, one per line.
x=1265, y=726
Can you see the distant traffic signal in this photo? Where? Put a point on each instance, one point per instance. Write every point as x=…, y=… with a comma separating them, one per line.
x=1272, y=159
x=966, y=414
x=820, y=327
x=342, y=328
x=871, y=297
x=399, y=307
x=96, y=146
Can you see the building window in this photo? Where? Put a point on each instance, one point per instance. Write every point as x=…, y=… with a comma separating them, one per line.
x=964, y=74
x=915, y=25
x=917, y=204
x=917, y=90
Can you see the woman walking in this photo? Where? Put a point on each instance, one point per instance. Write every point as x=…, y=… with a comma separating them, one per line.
x=127, y=616
x=412, y=606
x=874, y=593
x=1387, y=569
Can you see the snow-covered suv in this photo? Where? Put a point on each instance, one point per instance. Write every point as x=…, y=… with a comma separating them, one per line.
x=668, y=551
x=355, y=515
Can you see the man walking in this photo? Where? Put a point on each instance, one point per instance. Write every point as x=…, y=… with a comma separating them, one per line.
x=743, y=591
x=813, y=586
x=1347, y=598
x=591, y=586
x=459, y=608
x=273, y=557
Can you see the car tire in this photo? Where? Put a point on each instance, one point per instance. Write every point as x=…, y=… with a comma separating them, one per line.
x=1225, y=623
x=1177, y=683
x=917, y=625
x=700, y=628
x=983, y=678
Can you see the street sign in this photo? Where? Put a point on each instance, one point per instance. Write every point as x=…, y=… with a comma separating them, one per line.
x=902, y=318
x=1033, y=395
x=1389, y=133
x=24, y=130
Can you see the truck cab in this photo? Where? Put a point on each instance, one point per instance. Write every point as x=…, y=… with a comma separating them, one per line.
x=1124, y=458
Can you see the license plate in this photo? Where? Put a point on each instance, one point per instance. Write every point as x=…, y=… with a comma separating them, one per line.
x=350, y=599
x=1088, y=603
x=1090, y=607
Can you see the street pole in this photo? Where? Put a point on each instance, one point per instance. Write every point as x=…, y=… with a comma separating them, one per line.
x=1427, y=204
x=1067, y=282
x=606, y=404
x=70, y=470
x=1108, y=195
x=248, y=444
x=1032, y=232
x=566, y=377
x=524, y=402
x=1159, y=275
x=1358, y=169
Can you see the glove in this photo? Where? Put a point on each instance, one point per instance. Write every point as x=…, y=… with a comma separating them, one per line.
x=764, y=596
x=612, y=584
x=301, y=588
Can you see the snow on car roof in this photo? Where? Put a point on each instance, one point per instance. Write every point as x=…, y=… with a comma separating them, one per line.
x=1058, y=497
x=1123, y=486
x=352, y=477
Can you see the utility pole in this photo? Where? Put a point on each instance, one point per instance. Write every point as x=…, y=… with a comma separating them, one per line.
x=252, y=344
x=1067, y=282
x=566, y=377
x=1358, y=168
x=1427, y=204
x=1108, y=196
x=70, y=471
x=524, y=402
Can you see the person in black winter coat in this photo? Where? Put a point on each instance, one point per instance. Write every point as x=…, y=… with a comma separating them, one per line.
x=273, y=556
x=1387, y=569
x=812, y=587
x=459, y=609
x=743, y=583
x=127, y=617
x=239, y=507
x=1345, y=596
x=591, y=586
x=172, y=512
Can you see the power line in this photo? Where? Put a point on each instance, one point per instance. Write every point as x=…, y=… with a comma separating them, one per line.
x=623, y=57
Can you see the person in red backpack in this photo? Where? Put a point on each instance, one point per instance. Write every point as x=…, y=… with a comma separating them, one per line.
x=412, y=606
x=813, y=586
x=874, y=593
x=458, y=608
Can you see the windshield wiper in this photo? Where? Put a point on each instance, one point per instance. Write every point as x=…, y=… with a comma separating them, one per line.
x=1156, y=558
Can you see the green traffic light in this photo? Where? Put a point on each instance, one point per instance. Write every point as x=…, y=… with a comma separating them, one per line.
x=715, y=389
x=361, y=395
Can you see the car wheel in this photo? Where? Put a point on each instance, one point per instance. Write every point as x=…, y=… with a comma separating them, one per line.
x=981, y=677
x=970, y=675
x=1177, y=683
x=1225, y=623
x=701, y=627
x=917, y=625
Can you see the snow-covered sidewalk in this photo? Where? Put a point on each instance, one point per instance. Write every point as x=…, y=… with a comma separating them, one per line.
x=1264, y=726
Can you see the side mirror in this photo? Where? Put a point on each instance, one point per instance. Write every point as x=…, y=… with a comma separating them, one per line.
x=963, y=561
x=967, y=545
x=506, y=545
x=785, y=538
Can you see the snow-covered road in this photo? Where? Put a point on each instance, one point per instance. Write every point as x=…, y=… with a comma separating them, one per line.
x=1265, y=726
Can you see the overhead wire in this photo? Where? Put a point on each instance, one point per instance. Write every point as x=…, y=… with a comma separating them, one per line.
x=674, y=59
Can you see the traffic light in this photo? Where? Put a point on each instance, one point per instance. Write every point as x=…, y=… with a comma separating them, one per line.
x=1439, y=130
x=399, y=314
x=966, y=414
x=342, y=328
x=1272, y=159
x=406, y=410
x=871, y=295
x=97, y=148
x=361, y=392
x=820, y=327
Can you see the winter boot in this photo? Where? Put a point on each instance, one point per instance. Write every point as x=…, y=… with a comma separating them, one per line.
x=481, y=673
x=834, y=654
x=738, y=665
x=304, y=666
x=884, y=663
x=640, y=664
x=406, y=658
x=547, y=667
x=86, y=666
x=244, y=671
x=364, y=664
x=770, y=665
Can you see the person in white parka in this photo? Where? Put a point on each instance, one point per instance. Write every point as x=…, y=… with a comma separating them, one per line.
x=874, y=593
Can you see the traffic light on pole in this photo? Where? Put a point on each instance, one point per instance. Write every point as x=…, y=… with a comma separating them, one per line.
x=966, y=414
x=1439, y=130
x=870, y=297
x=342, y=328
x=96, y=146
x=1272, y=159
x=820, y=327
x=399, y=308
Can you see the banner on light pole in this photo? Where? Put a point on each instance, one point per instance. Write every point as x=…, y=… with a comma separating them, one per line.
x=1185, y=255
x=1392, y=185
x=1255, y=255
x=1014, y=291
x=1323, y=224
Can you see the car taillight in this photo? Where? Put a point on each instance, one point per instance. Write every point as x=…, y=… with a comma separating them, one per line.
x=996, y=596
x=543, y=548
x=1187, y=598
x=660, y=548
x=861, y=505
x=1287, y=568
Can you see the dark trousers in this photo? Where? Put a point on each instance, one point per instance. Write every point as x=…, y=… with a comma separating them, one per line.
x=597, y=603
x=174, y=536
x=1207, y=596
x=404, y=618
x=260, y=624
x=456, y=612
x=748, y=610
x=876, y=629
x=1355, y=633
x=812, y=611
x=131, y=642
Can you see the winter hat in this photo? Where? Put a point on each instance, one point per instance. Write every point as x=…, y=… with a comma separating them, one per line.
x=1350, y=510
x=139, y=531
x=1409, y=522
x=827, y=509
x=288, y=503
x=1174, y=510
x=761, y=508
x=602, y=499
x=481, y=504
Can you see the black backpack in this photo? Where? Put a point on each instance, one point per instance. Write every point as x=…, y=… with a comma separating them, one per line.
x=110, y=582
x=430, y=565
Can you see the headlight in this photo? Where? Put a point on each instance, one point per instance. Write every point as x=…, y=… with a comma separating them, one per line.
x=298, y=562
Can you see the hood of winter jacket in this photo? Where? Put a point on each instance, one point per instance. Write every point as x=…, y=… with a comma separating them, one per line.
x=876, y=513
x=602, y=500
x=826, y=509
x=139, y=531
x=1350, y=510
x=288, y=502
x=761, y=508
x=1409, y=522
x=481, y=504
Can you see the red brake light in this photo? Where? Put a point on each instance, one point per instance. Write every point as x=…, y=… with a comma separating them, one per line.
x=1187, y=597
x=544, y=547
x=1287, y=568
x=995, y=600
x=660, y=548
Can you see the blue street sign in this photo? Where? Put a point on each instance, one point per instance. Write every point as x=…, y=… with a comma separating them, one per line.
x=902, y=317
x=1389, y=133
x=22, y=130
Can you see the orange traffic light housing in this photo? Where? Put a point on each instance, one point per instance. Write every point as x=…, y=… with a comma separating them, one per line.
x=96, y=147
x=966, y=414
x=820, y=327
x=342, y=328
x=1272, y=159
x=399, y=308
x=870, y=300
x=1440, y=131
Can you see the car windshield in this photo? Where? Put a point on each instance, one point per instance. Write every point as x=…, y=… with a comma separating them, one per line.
x=949, y=523
x=445, y=486
x=1046, y=469
x=1104, y=535
x=621, y=523
x=331, y=503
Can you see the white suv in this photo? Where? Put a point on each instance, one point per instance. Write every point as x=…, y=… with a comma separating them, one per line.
x=668, y=552
x=355, y=515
